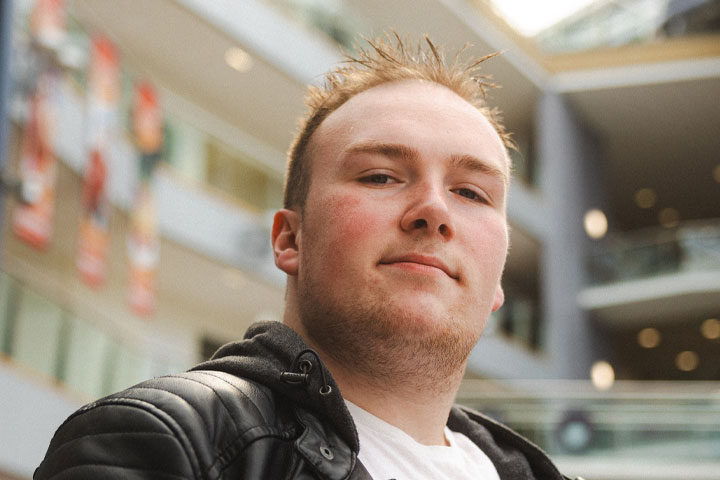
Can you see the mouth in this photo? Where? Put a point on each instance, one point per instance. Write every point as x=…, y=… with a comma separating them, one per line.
x=427, y=264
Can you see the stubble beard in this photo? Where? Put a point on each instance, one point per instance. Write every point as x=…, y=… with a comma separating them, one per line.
x=383, y=345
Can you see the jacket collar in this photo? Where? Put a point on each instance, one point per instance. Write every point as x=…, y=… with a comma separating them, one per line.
x=514, y=457
x=270, y=349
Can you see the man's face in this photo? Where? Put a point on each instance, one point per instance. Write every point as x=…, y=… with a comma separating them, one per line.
x=403, y=236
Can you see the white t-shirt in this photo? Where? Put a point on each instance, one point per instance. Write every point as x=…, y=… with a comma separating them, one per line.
x=389, y=453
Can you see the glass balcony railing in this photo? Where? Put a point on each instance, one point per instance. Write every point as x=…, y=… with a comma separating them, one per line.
x=87, y=358
x=333, y=18
x=675, y=421
x=613, y=23
x=693, y=246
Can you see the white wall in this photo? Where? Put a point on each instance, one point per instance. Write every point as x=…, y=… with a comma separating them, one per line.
x=30, y=412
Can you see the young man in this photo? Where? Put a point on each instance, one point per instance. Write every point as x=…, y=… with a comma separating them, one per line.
x=394, y=238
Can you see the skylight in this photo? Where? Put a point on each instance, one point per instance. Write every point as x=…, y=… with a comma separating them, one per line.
x=529, y=17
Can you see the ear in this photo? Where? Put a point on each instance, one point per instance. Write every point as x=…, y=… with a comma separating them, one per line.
x=499, y=298
x=284, y=240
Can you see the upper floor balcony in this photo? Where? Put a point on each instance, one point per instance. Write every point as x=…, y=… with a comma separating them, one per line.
x=656, y=272
x=633, y=430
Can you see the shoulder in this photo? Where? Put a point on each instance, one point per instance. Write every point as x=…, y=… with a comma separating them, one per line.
x=177, y=425
x=466, y=418
x=196, y=398
x=514, y=456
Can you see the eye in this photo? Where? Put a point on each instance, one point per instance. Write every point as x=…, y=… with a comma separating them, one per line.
x=471, y=195
x=378, y=179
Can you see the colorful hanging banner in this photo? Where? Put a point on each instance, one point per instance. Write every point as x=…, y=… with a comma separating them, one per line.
x=33, y=216
x=102, y=99
x=147, y=125
x=143, y=243
x=93, y=237
x=47, y=22
x=143, y=249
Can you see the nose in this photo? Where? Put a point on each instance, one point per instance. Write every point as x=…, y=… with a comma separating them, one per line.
x=428, y=211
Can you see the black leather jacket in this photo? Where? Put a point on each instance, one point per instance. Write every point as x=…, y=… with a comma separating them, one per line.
x=262, y=408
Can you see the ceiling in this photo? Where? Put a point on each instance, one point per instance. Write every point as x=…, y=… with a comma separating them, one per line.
x=184, y=54
x=658, y=120
x=454, y=24
x=663, y=134
x=657, y=123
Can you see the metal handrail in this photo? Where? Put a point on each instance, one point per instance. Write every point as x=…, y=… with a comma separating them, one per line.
x=692, y=246
x=675, y=420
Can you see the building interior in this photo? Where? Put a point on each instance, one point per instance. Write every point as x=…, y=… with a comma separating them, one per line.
x=606, y=352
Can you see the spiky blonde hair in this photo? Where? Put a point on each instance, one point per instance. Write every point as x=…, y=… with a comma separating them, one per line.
x=385, y=59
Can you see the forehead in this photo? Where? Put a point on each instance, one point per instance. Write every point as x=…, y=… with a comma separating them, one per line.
x=420, y=114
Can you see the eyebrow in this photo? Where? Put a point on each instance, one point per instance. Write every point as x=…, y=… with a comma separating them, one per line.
x=469, y=162
x=392, y=150
x=404, y=152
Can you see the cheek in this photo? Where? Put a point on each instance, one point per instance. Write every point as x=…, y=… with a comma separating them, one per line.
x=489, y=246
x=350, y=230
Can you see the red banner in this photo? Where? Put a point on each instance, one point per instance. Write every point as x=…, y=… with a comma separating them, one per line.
x=143, y=244
x=33, y=217
x=47, y=22
x=147, y=121
x=102, y=99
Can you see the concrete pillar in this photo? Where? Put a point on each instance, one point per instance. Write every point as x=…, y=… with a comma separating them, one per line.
x=570, y=179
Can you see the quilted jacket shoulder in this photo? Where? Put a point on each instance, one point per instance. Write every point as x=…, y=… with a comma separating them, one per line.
x=192, y=425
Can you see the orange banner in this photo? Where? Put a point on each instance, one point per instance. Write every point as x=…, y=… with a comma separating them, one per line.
x=102, y=99
x=143, y=247
x=144, y=239
x=47, y=22
x=93, y=238
x=33, y=217
x=147, y=120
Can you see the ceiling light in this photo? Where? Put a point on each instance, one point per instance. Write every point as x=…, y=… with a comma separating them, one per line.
x=710, y=329
x=669, y=217
x=649, y=337
x=596, y=224
x=687, y=361
x=238, y=59
x=645, y=198
x=602, y=375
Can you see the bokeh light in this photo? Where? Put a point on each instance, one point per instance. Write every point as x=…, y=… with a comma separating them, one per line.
x=687, y=361
x=602, y=375
x=710, y=329
x=649, y=337
x=596, y=223
x=645, y=198
x=669, y=217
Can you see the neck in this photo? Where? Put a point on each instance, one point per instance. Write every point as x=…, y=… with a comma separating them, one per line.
x=397, y=368
x=412, y=399
x=415, y=406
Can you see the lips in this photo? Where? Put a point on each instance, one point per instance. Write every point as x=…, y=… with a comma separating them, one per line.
x=423, y=260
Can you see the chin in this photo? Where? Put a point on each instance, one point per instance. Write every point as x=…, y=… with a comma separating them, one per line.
x=430, y=321
x=395, y=335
